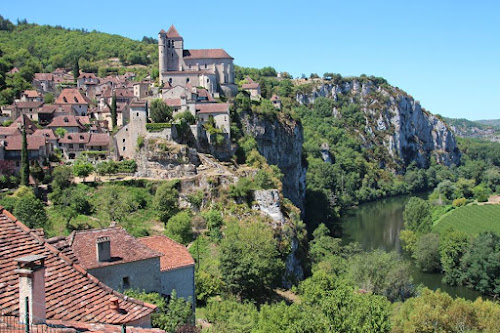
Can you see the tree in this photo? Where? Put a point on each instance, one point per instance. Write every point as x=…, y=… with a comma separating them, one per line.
x=160, y=112
x=179, y=228
x=166, y=202
x=76, y=69
x=60, y=132
x=383, y=274
x=249, y=260
x=427, y=254
x=82, y=169
x=61, y=177
x=454, y=244
x=214, y=223
x=117, y=203
x=480, y=265
x=25, y=166
x=417, y=216
x=31, y=212
x=48, y=98
x=113, y=110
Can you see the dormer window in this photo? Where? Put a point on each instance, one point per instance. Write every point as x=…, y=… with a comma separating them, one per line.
x=65, y=100
x=81, y=137
x=66, y=119
x=76, y=100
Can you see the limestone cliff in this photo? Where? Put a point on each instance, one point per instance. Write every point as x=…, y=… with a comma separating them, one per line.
x=280, y=142
x=393, y=120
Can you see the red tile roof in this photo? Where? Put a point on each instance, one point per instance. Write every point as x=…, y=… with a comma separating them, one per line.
x=71, y=293
x=66, y=121
x=212, y=108
x=15, y=142
x=28, y=124
x=47, y=108
x=175, y=255
x=205, y=94
x=173, y=101
x=206, y=54
x=7, y=131
x=44, y=77
x=28, y=105
x=32, y=93
x=172, y=32
x=46, y=132
x=124, y=247
x=87, y=76
x=99, y=139
x=75, y=138
x=250, y=86
x=71, y=96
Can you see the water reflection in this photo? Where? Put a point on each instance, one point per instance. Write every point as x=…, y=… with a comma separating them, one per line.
x=376, y=225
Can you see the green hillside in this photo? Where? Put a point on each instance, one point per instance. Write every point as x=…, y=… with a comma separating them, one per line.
x=472, y=219
x=40, y=48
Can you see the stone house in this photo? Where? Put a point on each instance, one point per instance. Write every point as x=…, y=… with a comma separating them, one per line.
x=176, y=266
x=44, y=82
x=74, y=144
x=59, y=288
x=117, y=259
x=31, y=96
x=38, y=149
x=208, y=68
x=71, y=124
x=142, y=90
x=79, y=102
x=86, y=79
x=253, y=88
x=126, y=138
x=276, y=100
x=220, y=113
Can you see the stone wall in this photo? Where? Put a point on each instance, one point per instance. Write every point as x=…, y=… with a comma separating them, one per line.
x=142, y=275
x=181, y=279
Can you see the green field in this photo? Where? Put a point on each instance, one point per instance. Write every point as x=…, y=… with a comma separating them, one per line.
x=471, y=219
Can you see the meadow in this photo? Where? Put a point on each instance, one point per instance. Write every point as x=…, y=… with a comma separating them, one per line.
x=472, y=219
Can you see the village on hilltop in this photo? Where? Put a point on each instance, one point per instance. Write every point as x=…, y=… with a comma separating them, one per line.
x=101, y=118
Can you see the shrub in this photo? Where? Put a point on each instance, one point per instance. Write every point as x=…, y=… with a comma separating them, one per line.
x=459, y=202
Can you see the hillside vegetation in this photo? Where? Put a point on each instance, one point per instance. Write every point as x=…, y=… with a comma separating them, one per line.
x=472, y=219
x=41, y=48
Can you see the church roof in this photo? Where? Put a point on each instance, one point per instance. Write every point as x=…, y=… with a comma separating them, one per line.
x=206, y=54
x=172, y=32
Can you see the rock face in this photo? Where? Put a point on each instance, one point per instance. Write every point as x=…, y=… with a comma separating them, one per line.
x=395, y=119
x=280, y=143
x=268, y=202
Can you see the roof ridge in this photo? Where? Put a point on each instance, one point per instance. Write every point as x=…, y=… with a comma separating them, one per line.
x=70, y=262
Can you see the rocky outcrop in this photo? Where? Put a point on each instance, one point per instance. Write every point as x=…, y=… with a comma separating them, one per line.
x=163, y=159
x=393, y=119
x=268, y=202
x=280, y=142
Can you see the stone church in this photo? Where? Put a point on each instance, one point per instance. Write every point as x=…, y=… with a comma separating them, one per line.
x=212, y=69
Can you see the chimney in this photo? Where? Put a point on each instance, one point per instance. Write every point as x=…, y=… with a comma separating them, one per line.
x=103, y=249
x=31, y=270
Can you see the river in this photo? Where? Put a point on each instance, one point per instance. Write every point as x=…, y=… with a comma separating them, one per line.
x=376, y=225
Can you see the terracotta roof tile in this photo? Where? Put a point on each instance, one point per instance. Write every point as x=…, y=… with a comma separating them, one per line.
x=66, y=121
x=206, y=54
x=175, y=255
x=71, y=96
x=212, y=107
x=46, y=132
x=32, y=93
x=28, y=105
x=15, y=142
x=172, y=32
x=173, y=101
x=124, y=247
x=28, y=124
x=99, y=139
x=44, y=77
x=250, y=86
x=75, y=138
x=71, y=294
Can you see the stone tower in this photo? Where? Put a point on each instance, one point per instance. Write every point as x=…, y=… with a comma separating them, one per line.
x=175, y=48
x=162, y=56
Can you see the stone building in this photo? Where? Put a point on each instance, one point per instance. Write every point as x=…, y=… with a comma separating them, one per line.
x=60, y=289
x=126, y=138
x=117, y=259
x=176, y=266
x=208, y=68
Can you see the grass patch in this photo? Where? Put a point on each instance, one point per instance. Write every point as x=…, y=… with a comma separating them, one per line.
x=472, y=219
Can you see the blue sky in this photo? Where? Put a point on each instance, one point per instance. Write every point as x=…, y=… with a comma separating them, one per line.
x=444, y=53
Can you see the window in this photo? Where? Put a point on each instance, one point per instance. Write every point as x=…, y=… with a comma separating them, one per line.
x=205, y=65
x=71, y=146
x=123, y=140
x=168, y=44
x=187, y=80
x=80, y=146
x=126, y=282
x=137, y=114
x=123, y=148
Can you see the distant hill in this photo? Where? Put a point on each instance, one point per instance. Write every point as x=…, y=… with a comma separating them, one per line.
x=482, y=129
x=490, y=122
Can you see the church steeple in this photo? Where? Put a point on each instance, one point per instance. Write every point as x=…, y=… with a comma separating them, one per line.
x=172, y=33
